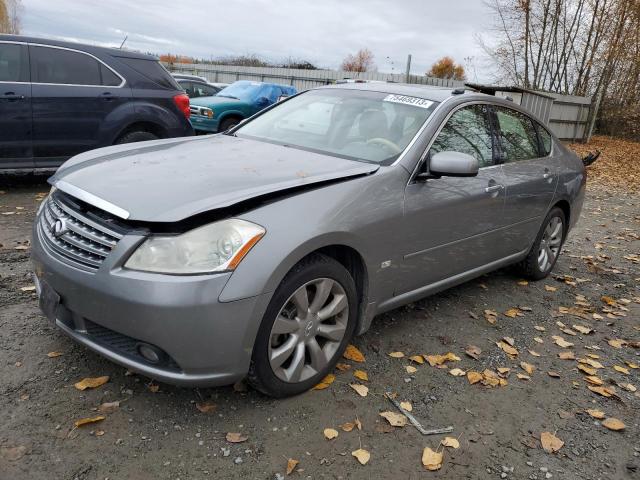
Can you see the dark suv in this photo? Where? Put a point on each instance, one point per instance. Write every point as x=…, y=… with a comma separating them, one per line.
x=58, y=99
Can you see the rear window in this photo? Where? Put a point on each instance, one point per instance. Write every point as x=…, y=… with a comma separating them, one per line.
x=64, y=67
x=13, y=63
x=152, y=70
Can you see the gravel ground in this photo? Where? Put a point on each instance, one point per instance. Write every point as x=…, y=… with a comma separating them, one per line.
x=157, y=432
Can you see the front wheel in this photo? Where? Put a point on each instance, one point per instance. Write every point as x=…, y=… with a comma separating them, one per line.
x=306, y=328
x=228, y=123
x=546, y=249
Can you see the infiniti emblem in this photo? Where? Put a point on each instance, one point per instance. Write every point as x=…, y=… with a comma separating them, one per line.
x=307, y=328
x=59, y=227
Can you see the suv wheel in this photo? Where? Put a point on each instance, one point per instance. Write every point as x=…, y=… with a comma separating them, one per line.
x=136, y=136
x=546, y=249
x=306, y=328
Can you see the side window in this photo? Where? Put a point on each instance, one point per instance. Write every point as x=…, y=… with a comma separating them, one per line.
x=54, y=65
x=545, y=139
x=517, y=135
x=13, y=63
x=109, y=79
x=467, y=131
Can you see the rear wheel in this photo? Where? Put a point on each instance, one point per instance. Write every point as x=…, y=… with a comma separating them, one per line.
x=306, y=328
x=136, y=136
x=546, y=249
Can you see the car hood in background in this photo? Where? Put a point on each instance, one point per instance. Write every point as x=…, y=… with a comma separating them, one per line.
x=168, y=181
x=219, y=102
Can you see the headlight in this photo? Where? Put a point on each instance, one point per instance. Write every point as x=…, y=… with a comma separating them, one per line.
x=216, y=247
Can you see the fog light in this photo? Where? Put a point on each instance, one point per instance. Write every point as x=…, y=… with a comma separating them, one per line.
x=150, y=353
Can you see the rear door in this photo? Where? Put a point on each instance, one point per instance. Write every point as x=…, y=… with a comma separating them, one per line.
x=15, y=107
x=452, y=224
x=73, y=94
x=531, y=176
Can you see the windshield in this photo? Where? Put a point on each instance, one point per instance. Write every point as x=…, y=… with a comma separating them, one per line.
x=242, y=90
x=360, y=125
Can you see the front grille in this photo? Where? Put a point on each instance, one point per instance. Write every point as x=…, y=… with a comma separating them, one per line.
x=74, y=236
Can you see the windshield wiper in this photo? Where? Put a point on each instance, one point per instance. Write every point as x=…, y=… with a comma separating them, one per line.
x=228, y=96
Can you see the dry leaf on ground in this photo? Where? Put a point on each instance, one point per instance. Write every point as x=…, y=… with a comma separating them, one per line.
x=291, y=465
x=527, y=367
x=450, y=442
x=417, y=358
x=561, y=342
x=620, y=369
x=613, y=424
x=91, y=382
x=235, y=437
x=410, y=369
x=331, y=433
x=595, y=413
x=435, y=360
x=394, y=419
x=326, y=381
x=550, y=443
x=352, y=353
x=361, y=375
x=566, y=355
x=362, y=455
x=473, y=351
x=108, y=407
x=508, y=349
x=457, y=372
x=87, y=421
x=362, y=390
x=396, y=354
x=54, y=354
x=406, y=406
x=432, y=460
x=206, y=407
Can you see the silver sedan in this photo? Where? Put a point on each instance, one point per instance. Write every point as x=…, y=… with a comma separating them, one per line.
x=261, y=252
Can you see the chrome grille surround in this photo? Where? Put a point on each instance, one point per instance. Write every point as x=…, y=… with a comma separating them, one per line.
x=79, y=240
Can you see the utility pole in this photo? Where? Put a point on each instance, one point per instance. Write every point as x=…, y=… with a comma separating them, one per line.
x=408, y=68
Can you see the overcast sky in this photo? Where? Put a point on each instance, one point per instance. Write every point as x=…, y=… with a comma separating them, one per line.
x=320, y=31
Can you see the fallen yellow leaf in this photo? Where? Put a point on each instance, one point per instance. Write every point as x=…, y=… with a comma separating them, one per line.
x=410, y=369
x=206, y=407
x=450, y=442
x=361, y=375
x=527, y=367
x=566, y=355
x=512, y=312
x=343, y=366
x=596, y=413
x=396, y=354
x=561, y=342
x=457, y=372
x=325, y=382
x=362, y=455
x=549, y=288
x=406, y=406
x=417, y=358
x=291, y=465
x=235, y=437
x=594, y=380
x=613, y=424
x=435, y=360
x=54, y=354
x=587, y=370
x=617, y=342
x=508, y=349
x=352, y=353
x=90, y=382
x=550, y=443
x=394, y=419
x=474, y=377
x=620, y=369
x=582, y=329
x=330, y=433
x=86, y=421
x=432, y=460
x=362, y=390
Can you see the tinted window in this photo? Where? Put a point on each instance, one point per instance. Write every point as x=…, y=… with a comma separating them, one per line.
x=517, y=135
x=200, y=90
x=467, y=131
x=109, y=78
x=54, y=65
x=13, y=63
x=152, y=70
x=545, y=139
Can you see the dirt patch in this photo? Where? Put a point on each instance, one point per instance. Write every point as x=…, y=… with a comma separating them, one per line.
x=158, y=431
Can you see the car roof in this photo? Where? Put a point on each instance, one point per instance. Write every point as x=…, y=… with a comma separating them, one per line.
x=429, y=92
x=115, y=52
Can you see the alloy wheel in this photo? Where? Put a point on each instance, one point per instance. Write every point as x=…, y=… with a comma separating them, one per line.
x=550, y=243
x=308, y=330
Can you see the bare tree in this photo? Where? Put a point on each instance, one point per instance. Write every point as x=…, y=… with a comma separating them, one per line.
x=362, y=61
x=10, y=11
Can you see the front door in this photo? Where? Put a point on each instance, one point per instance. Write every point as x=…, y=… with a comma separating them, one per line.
x=15, y=107
x=531, y=176
x=73, y=93
x=453, y=225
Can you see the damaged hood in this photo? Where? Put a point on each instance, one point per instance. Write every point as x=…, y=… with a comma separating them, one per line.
x=171, y=180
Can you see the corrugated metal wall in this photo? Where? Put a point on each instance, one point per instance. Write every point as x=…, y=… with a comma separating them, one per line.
x=301, y=79
x=565, y=115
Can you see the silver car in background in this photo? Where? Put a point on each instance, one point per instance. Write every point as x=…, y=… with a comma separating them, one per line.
x=262, y=251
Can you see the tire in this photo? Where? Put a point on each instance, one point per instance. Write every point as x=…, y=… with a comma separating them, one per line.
x=280, y=374
x=228, y=123
x=533, y=266
x=136, y=136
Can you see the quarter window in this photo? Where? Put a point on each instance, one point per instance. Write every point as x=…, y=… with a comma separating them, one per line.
x=467, y=131
x=55, y=65
x=13, y=63
x=517, y=135
x=545, y=139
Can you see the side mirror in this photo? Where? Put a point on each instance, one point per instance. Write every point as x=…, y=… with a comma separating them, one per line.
x=453, y=164
x=262, y=102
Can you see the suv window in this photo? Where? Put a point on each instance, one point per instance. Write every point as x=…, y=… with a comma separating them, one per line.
x=55, y=65
x=545, y=139
x=152, y=70
x=109, y=78
x=467, y=131
x=13, y=63
x=517, y=135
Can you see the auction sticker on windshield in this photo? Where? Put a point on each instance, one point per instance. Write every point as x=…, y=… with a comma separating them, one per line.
x=415, y=101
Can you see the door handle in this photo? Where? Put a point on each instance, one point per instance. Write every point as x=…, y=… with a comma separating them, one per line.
x=493, y=188
x=12, y=96
x=107, y=96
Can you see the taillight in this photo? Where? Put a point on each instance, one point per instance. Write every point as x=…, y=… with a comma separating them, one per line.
x=182, y=102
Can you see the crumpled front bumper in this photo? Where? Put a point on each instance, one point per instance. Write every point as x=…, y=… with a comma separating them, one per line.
x=113, y=310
